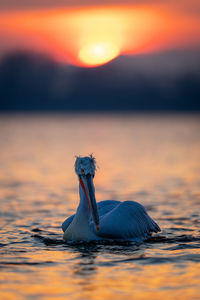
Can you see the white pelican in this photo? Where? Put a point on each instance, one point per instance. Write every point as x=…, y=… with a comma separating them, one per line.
x=108, y=219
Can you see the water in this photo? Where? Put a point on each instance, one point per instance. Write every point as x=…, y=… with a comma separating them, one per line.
x=151, y=159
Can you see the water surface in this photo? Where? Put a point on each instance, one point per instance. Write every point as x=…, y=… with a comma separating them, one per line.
x=151, y=159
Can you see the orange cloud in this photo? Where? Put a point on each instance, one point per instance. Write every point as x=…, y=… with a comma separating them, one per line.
x=91, y=36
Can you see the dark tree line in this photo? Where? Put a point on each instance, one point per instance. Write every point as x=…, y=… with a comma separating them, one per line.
x=35, y=82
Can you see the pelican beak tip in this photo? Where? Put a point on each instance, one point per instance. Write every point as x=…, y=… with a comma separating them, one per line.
x=97, y=227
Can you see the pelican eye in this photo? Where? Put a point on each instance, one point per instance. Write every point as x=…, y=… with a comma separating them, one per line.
x=82, y=171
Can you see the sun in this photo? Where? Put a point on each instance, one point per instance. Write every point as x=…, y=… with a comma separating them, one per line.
x=98, y=53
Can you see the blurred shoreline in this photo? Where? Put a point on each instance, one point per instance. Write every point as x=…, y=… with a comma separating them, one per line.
x=158, y=82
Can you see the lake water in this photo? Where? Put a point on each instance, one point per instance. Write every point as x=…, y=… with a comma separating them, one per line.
x=153, y=159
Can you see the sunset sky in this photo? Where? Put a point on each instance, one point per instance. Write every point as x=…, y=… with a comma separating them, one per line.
x=88, y=35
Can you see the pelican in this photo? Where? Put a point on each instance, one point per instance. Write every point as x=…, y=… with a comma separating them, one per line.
x=109, y=219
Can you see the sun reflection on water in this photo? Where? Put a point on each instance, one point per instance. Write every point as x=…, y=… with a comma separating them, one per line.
x=151, y=159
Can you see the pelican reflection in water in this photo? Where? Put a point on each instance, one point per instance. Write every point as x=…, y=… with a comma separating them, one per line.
x=108, y=219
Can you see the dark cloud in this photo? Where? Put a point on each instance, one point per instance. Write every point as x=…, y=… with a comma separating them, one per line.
x=168, y=81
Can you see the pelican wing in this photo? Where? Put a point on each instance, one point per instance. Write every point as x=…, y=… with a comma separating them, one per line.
x=125, y=220
x=67, y=222
x=103, y=206
x=106, y=206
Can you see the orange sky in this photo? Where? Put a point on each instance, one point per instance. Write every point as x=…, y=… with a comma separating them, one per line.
x=90, y=36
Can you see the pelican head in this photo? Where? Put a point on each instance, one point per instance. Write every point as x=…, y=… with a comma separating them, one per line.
x=85, y=164
x=85, y=169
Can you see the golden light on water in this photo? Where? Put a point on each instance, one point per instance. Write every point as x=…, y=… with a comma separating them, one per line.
x=39, y=189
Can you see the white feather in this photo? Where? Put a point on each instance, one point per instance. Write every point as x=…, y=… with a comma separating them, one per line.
x=126, y=220
x=121, y=220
